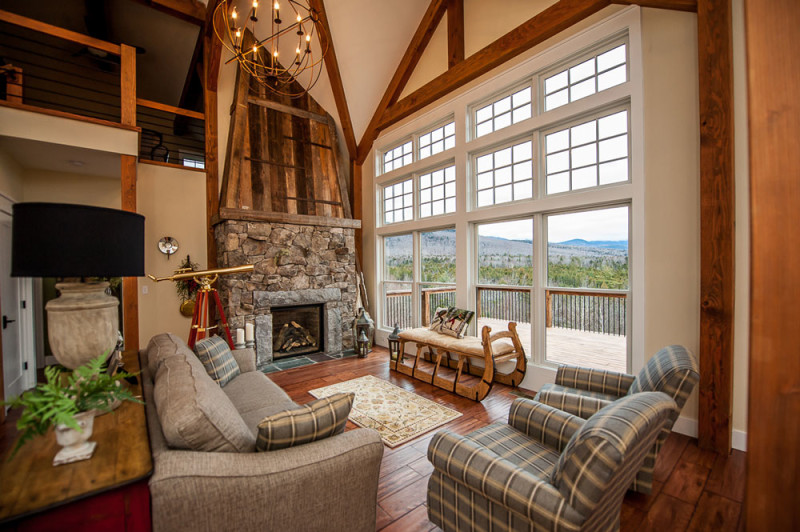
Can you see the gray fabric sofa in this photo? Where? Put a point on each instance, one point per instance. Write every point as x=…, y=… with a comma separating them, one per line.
x=207, y=475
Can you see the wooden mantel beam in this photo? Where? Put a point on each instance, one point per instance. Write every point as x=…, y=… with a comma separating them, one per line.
x=401, y=76
x=334, y=75
x=539, y=28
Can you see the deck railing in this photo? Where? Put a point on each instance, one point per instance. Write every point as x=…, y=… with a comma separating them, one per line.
x=585, y=310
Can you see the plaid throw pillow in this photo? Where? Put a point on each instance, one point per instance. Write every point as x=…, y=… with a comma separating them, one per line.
x=216, y=356
x=310, y=422
x=456, y=322
x=438, y=319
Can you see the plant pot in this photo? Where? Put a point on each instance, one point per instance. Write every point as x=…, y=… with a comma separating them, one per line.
x=74, y=443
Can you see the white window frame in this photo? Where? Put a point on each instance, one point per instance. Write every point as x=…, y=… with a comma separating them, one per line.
x=626, y=21
x=527, y=82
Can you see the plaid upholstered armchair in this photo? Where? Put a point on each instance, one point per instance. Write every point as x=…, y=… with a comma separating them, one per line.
x=584, y=391
x=545, y=469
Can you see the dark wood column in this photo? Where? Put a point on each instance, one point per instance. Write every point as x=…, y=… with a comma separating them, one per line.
x=715, y=65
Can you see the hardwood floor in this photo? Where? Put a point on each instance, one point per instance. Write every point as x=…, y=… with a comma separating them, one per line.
x=695, y=490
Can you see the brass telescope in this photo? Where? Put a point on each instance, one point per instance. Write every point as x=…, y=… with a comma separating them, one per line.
x=205, y=278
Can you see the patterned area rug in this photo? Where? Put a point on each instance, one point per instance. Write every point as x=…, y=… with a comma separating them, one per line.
x=397, y=414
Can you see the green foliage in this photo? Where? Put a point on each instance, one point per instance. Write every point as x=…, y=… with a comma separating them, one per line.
x=62, y=396
x=595, y=273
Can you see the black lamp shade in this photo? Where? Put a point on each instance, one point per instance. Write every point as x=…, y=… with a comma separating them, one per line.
x=63, y=240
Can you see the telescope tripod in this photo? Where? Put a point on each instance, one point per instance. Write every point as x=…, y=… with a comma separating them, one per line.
x=202, y=316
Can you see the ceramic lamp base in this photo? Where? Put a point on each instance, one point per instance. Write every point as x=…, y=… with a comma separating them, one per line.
x=76, y=453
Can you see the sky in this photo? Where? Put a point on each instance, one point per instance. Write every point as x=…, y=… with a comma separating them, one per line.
x=599, y=224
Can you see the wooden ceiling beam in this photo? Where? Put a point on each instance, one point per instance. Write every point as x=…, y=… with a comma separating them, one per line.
x=455, y=32
x=188, y=10
x=536, y=30
x=676, y=5
x=334, y=75
x=419, y=41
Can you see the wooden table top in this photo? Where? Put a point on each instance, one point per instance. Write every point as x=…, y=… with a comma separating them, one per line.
x=30, y=483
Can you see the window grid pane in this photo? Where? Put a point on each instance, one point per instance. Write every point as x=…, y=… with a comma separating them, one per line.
x=398, y=202
x=437, y=192
x=503, y=112
x=437, y=140
x=587, y=155
x=505, y=175
x=397, y=157
x=599, y=73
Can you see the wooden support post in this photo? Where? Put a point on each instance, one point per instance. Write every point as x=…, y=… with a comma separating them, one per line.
x=356, y=173
x=548, y=308
x=455, y=32
x=130, y=286
x=715, y=65
x=127, y=88
x=212, y=50
x=773, y=431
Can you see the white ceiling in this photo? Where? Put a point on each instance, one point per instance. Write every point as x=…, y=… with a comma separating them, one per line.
x=35, y=155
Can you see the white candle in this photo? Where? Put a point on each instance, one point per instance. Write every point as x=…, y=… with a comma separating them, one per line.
x=249, y=332
x=239, y=336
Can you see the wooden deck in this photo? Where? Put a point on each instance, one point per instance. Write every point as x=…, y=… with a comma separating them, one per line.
x=570, y=346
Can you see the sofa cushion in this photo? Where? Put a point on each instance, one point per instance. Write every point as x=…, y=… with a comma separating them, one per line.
x=162, y=346
x=194, y=412
x=310, y=422
x=216, y=356
x=255, y=392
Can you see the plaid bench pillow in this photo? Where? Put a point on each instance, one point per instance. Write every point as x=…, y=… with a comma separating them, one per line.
x=314, y=421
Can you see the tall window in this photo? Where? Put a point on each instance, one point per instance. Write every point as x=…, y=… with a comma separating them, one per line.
x=596, y=74
x=588, y=154
x=438, y=272
x=540, y=199
x=505, y=276
x=398, y=275
x=587, y=288
x=505, y=175
x=397, y=157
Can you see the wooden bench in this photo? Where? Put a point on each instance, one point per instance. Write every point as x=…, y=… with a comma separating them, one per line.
x=492, y=349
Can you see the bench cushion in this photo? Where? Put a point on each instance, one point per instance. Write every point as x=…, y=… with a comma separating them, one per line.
x=468, y=345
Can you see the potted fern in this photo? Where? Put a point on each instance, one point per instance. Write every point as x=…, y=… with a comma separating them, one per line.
x=69, y=402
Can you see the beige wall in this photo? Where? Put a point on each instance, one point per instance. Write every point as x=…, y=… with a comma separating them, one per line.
x=173, y=204
x=10, y=177
x=63, y=187
x=672, y=183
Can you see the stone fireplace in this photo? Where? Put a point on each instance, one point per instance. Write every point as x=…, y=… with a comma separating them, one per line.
x=303, y=273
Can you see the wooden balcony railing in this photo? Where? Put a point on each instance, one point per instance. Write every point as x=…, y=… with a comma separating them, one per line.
x=585, y=310
x=64, y=73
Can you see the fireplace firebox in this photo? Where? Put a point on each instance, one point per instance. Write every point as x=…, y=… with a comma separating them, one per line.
x=297, y=330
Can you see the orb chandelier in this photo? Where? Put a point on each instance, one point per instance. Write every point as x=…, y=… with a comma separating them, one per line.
x=284, y=61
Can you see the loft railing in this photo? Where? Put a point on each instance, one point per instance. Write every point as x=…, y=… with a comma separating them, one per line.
x=584, y=310
x=57, y=71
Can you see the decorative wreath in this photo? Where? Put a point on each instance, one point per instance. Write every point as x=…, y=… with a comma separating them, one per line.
x=187, y=289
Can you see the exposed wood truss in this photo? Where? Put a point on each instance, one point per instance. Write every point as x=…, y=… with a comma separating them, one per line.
x=715, y=67
x=189, y=10
x=546, y=24
x=401, y=76
x=455, y=32
x=335, y=77
x=773, y=82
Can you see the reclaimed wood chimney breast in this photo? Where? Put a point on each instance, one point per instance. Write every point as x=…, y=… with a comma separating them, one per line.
x=284, y=208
